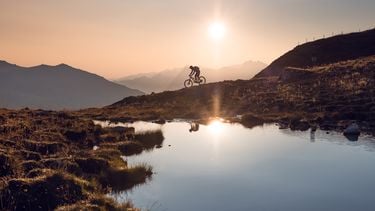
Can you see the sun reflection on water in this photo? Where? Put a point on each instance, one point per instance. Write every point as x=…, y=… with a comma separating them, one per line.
x=216, y=127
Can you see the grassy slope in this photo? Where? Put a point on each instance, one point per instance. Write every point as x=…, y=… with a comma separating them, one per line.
x=324, y=51
x=338, y=91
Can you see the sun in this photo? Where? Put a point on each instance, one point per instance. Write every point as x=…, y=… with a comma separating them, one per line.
x=216, y=30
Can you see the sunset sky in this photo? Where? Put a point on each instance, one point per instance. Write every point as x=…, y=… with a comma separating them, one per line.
x=114, y=38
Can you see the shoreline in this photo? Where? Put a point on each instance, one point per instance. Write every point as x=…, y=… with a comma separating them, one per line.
x=74, y=163
x=55, y=160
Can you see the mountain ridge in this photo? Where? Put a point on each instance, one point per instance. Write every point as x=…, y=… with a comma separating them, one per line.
x=56, y=87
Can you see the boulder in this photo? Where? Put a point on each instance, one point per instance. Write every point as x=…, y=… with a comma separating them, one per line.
x=352, y=129
x=301, y=125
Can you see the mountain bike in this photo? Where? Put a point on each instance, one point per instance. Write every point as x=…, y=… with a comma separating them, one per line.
x=192, y=80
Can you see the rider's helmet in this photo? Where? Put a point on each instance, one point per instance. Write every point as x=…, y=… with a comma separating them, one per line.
x=191, y=67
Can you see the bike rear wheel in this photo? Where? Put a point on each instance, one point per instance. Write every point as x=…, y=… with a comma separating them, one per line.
x=202, y=80
x=188, y=83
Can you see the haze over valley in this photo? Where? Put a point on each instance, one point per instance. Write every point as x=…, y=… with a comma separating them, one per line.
x=172, y=79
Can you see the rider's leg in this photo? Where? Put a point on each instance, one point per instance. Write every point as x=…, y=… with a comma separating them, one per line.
x=197, y=74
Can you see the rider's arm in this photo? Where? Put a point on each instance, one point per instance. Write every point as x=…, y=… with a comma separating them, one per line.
x=192, y=72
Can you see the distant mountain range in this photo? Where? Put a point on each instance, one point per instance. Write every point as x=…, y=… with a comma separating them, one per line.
x=324, y=51
x=173, y=79
x=56, y=87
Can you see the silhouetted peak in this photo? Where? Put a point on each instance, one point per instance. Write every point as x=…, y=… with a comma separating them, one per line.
x=3, y=62
x=63, y=65
x=59, y=66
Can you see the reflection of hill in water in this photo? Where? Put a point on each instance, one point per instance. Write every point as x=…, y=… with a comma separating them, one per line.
x=366, y=141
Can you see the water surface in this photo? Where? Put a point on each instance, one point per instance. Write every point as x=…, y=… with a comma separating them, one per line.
x=225, y=166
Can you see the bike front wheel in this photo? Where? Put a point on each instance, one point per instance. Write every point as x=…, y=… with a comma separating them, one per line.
x=202, y=80
x=188, y=83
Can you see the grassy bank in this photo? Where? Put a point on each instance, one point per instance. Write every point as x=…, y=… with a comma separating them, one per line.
x=48, y=161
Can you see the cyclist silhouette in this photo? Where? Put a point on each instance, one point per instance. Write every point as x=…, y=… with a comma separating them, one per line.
x=195, y=77
x=195, y=70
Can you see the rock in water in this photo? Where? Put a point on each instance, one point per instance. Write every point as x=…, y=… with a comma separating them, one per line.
x=160, y=121
x=352, y=129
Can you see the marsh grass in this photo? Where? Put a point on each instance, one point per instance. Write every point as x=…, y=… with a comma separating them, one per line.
x=47, y=162
x=129, y=148
x=44, y=192
x=99, y=203
x=123, y=179
x=113, y=155
x=126, y=148
x=150, y=139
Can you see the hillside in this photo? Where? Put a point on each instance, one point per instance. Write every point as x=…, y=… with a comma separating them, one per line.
x=324, y=51
x=56, y=87
x=173, y=79
x=332, y=96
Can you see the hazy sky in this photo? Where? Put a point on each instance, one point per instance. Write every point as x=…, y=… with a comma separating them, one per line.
x=114, y=38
